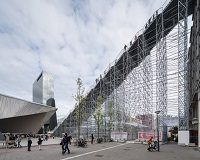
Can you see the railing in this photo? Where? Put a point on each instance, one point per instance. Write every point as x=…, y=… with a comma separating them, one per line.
x=127, y=46
x=166, y=3
x=61, y=122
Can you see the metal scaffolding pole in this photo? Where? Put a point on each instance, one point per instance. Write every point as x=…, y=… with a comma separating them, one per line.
x=118, y=97
x=183, y=105
x=133, y=94
x=161, y=68
x=146, y=85
x=127, y=91
x=141, y=106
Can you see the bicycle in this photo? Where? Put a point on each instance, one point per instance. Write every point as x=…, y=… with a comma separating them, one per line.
x=153, y=146
x=80, y=143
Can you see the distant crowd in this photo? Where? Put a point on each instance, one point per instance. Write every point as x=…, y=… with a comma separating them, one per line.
x=14, y=140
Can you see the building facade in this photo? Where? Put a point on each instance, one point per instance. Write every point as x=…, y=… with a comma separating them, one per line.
x=43, y=93
x=43, y=88
x=194, y=77
x=21, y=116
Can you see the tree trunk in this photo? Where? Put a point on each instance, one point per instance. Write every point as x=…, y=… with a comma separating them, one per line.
x=79, y=128
x=98, y=129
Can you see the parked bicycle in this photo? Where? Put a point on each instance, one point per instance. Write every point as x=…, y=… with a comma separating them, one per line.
x=80, y=143
x=99, y=140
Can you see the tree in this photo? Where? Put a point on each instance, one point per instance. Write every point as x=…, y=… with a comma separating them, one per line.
x=126, y=118
x=119, y=120
x=174, y=128
x=79, y=106
x=110, y=114
x=98, y=116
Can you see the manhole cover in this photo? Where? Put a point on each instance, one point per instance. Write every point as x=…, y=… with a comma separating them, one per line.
x=196, y=149
x=99, y=155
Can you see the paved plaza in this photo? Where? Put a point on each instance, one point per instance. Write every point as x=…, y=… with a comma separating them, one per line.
x=51, y=150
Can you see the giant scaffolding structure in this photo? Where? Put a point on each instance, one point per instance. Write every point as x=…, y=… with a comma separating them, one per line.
x=183, y=102
x=143, y=77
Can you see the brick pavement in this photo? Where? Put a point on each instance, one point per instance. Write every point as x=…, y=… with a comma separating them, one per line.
x=104, y=151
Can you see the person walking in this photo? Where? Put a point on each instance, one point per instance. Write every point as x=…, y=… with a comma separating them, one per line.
x=92, y=138
x=65, y=141
x=18, y=141
x=39, y=142
x=29, y=143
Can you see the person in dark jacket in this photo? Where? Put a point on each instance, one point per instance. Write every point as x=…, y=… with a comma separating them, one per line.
x=92, y=138
x=39, y=142
x=29, y=143
x=65, y=141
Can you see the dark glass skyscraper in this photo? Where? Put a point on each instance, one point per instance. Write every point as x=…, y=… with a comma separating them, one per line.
x=43, y=88
x=43, y=93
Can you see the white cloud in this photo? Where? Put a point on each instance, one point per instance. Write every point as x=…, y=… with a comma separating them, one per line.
x=69, y=39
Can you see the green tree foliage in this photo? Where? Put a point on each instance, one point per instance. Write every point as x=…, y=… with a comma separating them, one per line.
x=127, y=128
x=98, y=116
x=119, y=120
x=79, y=106
x=174, y=128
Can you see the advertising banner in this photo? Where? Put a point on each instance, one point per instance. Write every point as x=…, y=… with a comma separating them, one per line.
x=146, y=135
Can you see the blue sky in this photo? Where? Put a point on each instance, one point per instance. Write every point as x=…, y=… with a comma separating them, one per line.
x=67, y=38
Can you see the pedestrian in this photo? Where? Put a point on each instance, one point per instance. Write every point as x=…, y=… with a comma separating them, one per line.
x=7, y=138
x=92, y=138
x=65, y=141
x=29, y=143
x=43, y=137
x=18, y=141
x=125, y=47
x=46, y=137
x=130, y=43
x=39, y=142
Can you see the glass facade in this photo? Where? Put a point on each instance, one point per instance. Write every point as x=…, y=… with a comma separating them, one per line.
x=43, y=88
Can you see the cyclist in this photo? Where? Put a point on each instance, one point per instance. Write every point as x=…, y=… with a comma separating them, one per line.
x=149, y=143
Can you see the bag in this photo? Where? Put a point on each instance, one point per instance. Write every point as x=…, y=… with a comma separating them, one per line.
x=39, y=142
x=60, y=143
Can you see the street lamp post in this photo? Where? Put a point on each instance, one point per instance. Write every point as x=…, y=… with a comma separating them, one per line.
x=157, y=112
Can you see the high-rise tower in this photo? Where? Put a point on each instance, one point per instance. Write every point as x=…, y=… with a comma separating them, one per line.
x=43, y=88
x=43, y=92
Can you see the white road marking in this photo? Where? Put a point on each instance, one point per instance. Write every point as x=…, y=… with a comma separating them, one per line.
x=92, y=152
